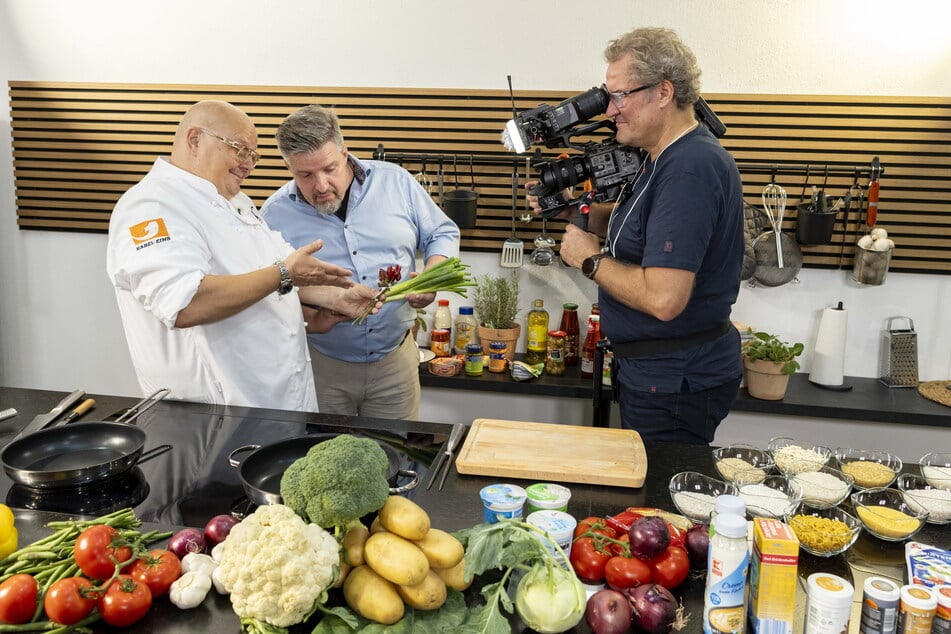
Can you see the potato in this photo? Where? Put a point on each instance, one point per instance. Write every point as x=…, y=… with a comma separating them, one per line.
x=353, y=543
x=453, y=577
x=396, y=559
x=404, y=517
x=376, y=527
x=427, y=595
x=441, y=549
x=345, y=569
x=372, y=597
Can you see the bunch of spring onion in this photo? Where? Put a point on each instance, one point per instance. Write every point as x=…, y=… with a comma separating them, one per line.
x=450, y=275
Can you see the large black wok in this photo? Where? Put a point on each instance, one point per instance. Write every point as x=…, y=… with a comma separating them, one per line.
x=261, y=471
x=78, y=454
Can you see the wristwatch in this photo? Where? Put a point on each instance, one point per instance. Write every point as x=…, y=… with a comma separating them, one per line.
x=286, y=285
x=590, y=265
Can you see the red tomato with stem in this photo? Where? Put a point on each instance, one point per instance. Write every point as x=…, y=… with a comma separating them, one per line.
x=18, y=599
x=157, y=570
x=618, y=550
x=626, y=572
x=97, y=547
x=594, y=524
x=124, y=602
x=587, y=562
x=670, y=568
x=67, y=602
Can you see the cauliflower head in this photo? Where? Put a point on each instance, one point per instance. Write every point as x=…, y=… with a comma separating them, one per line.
x=277, y=567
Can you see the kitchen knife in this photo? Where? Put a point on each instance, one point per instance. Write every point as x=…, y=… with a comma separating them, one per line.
x=81, y=409
x=42, y=420
x=7, y=413
x=454, y=437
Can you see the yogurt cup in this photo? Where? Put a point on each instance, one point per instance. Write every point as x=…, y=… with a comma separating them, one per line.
x=502, y=500
x=544, y=496
x=560, y=528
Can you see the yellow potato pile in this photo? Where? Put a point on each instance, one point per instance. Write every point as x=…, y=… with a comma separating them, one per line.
x=400, y=561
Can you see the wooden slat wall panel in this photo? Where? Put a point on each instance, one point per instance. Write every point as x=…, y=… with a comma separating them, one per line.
x=79, y=146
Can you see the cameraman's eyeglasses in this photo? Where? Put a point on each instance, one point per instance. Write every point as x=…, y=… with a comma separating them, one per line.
x=242, y=151
x=617, y=98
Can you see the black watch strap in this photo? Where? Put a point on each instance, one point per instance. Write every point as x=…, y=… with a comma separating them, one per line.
x=590, y=265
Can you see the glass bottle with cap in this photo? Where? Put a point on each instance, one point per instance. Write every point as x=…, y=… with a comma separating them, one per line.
x=536, y=348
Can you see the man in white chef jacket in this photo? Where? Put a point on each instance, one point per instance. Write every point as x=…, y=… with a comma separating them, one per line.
x=210, y=297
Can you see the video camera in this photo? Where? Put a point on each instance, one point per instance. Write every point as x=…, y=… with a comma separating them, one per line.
x=608, y=164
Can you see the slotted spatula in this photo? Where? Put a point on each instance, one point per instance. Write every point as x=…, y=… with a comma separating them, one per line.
x=512, y=248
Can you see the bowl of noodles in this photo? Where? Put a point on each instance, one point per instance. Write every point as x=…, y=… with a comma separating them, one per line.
x=824, y=532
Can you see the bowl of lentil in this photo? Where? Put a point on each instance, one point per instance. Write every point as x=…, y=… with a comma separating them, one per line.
x=887, y=515
x=936, y=469
x=823, y=485
x=824, y=532
x=773, y=496
x=869, y=468
x=790, y=454
x=732, y=459
x=922, y=495
x=695, y=494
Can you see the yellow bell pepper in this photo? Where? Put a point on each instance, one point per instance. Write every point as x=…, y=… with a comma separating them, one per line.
x=8, y=532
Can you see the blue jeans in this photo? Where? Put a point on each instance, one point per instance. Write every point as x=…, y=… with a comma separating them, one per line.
x=687, y=417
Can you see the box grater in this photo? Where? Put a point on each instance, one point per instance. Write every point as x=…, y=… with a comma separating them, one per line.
x=899, y=355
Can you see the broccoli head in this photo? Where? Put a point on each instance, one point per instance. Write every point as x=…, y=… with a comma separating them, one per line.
x=338, y=481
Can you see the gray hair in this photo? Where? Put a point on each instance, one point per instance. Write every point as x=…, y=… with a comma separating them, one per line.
x=657, y=54
x=308, y=130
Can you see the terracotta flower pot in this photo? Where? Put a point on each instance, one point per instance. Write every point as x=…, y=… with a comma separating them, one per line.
x=507, y=335
x=765, y=379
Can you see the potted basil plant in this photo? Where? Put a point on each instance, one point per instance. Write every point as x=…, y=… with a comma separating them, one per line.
x=768, y=361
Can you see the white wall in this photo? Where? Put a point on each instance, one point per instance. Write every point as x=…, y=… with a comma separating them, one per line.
x=59, y=327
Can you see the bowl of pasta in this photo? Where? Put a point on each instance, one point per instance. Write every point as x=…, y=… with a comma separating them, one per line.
x=824, y=532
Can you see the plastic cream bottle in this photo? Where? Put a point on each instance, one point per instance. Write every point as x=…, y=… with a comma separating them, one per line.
x=724, y=600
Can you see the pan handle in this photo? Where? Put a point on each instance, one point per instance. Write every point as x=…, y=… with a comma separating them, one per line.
x=142, y=406
x=240, y=450
x=409, y=486
x=155, y=452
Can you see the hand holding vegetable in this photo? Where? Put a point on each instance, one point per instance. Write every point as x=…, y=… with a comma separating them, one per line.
x=450, y=275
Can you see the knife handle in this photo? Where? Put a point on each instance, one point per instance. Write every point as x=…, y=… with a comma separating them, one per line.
x=7, y=413
x=71, y=398
x=81, y=409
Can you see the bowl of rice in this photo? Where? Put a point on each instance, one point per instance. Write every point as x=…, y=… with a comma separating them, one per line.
x=733, y=459
x=791, y=455
x=823, y=485
x=824, y=532
x=695, y=494
x=922, y=496
x=870, y=468
x=936, y=469
x=887, y=515
x=773, y=496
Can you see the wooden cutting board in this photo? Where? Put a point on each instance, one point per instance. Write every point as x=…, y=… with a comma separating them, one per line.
x=553, y=453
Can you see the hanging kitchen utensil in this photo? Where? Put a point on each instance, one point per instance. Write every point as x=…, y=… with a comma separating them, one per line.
x=871, y=215
x=544, y=253
x=778, y=257
x=461, y=204
x=527, y=215
x=423, y=178
x=439, y=182
x=513, y=248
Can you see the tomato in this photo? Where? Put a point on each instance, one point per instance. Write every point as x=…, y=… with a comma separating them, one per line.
x=587, y=562
x=621, y=551
x=124, y=602
x=157, y=570
x=595, y=525
x=95, y=549
x=66, y=604
x=670, y=568
x=626, y=572
x=18, y=599
x=678, y=536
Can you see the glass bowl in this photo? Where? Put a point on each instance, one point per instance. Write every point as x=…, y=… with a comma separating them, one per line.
x=824, y=532
x=774, y=496
x=734, y=458
x=885, y=514
x=823, y=485
x=790, y=454
x=936, y=469
x=870, y=468
x=921, y=495
x=694, y=494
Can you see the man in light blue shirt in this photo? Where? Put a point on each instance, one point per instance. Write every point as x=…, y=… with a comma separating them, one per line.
x=370, y=215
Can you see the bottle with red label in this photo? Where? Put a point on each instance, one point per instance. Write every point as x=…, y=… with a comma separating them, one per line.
x=589, y=349
x=569, y=323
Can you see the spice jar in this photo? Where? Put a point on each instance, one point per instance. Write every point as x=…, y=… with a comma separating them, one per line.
x=474, y=359
x=497, y=360
x=439, y=342
x=555, y=361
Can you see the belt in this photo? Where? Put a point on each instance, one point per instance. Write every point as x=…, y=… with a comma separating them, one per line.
x=648, y=347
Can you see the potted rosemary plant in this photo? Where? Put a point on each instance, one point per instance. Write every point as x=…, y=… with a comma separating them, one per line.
x=767, y=363
x=495, y=299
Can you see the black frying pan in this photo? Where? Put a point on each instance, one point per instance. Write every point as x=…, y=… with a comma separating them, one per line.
x=261, y=471
x=79, y=454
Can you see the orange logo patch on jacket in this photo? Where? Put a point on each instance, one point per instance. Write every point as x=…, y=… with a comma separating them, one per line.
x=149, y=232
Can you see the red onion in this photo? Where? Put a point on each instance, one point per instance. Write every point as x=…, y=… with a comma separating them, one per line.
x=697, y=543
x=218, y=527
x=187, y=540
x=649, y=537
x=655, y=608
x=608, y=612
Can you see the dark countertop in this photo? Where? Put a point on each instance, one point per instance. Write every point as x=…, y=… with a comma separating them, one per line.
x=193, y=482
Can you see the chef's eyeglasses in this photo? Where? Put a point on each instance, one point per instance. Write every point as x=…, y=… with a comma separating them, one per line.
x=617, y=98
x=243, y=151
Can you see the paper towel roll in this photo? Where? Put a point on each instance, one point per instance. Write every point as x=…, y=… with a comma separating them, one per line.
x=828, y=363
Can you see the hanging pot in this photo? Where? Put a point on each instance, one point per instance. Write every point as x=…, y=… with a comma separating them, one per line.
x=461, y=204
